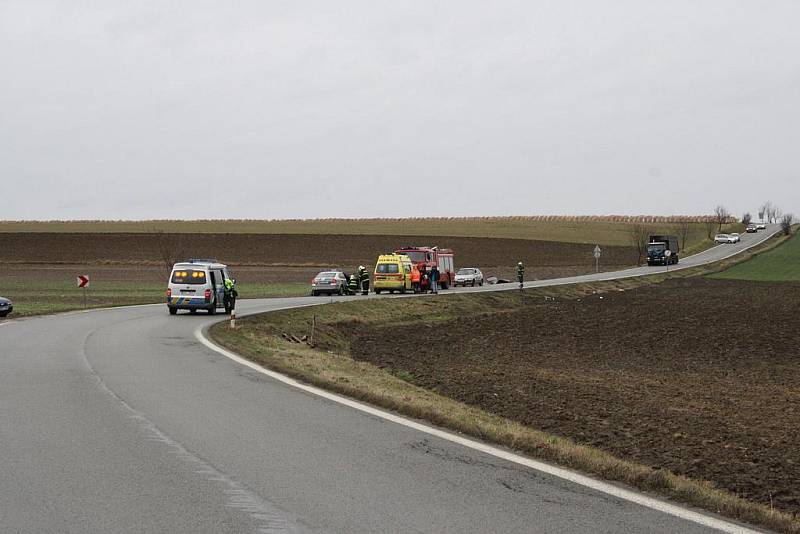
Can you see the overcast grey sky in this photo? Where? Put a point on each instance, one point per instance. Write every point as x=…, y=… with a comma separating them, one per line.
x=136, y=110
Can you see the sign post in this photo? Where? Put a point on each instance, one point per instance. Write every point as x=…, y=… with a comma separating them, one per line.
x=597, y=252
x=83, y=282
x=667, y=254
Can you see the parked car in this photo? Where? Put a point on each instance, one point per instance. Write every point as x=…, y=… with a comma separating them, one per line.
x=468, y=276
x=329, y=282
x=761, y=225
x=723, y=239
x=752, y=228
x=736, y=237
x=6, y=307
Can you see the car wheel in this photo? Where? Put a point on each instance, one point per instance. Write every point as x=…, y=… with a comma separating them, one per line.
x=193, y=311
x=172, y=311
x=481, y=283
x=213, y=309
x=377, y=291
x=314, y=293
x=341, y=291
x=473, y=283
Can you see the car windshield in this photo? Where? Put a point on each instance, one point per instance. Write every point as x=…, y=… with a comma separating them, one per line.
x=416, y=257
x=466, y=271
x=387, y=268
x=188, y=276
x=656, y=247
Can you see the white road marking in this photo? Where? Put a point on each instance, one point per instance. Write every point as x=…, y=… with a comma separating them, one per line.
x=565, y=474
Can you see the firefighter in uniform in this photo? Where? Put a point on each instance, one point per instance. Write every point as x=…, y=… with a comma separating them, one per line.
x=229, y=297
x=352, y=285
x=363, y=280
x=520, y=273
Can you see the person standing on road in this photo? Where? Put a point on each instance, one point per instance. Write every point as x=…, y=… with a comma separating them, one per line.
x=363, y=280
x=424, y=278
x=353, y=283
x=434, y=279
x=229, y=296
x=520, y=273
x=415, y=279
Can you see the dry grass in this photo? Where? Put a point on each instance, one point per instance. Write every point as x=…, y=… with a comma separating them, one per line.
x=329, y=366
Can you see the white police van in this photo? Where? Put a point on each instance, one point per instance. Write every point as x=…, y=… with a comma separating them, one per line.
x=197, y=285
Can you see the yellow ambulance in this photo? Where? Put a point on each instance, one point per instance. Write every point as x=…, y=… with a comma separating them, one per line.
x=392, y=273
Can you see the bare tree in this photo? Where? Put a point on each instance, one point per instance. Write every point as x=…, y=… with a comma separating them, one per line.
x=721, y=216
x=639, y=235
x=747, y=218
x=683, y=228
x=171, y=248
x=771, y=212
x=786, y=223
x=763, y=210
x=711, y=227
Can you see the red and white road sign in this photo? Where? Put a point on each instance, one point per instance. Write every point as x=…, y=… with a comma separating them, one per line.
x=83, y=280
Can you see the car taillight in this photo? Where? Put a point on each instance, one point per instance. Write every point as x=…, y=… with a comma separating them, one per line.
x=169, y=293
x=208, y=295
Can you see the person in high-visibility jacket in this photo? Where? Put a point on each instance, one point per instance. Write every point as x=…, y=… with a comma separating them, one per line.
x=415, y=278
x=363, y=280
x=520, y=273
x=230, y=294
x=353, y=283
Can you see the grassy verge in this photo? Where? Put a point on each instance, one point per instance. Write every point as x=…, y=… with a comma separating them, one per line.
x=779, y=265
x=327, y=364
x=38, y=297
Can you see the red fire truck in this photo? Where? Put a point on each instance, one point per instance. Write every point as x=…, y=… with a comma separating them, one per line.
x=430, y=256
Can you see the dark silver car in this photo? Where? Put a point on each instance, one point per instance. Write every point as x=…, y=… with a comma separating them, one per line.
x=468, y=276
x=329, y=282
x=6, y=307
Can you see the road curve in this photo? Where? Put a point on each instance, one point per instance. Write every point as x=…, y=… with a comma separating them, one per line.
x=121, y=421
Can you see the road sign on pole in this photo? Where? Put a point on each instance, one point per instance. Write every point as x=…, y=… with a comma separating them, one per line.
x=667, y=254
x=597, y=252
x=83, y=282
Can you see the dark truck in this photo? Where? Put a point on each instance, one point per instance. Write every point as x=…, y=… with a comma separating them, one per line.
x=657, y=246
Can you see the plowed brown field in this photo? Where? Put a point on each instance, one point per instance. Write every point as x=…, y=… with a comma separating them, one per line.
x=697, y=376
x=300, y=254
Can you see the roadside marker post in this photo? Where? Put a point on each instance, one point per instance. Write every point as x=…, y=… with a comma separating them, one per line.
x=667, y=254
x=83, y=282
x=597, y=252
x=233, y=318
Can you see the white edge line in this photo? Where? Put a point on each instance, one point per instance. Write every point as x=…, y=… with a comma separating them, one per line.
x=565, y=474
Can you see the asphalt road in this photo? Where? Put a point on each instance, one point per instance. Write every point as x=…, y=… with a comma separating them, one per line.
x=122, y=421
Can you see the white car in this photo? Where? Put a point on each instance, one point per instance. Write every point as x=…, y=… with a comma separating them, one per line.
x=724, y=239
x=468, y=276
x=736, y=237
x=761, y=225
x=329, y=282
